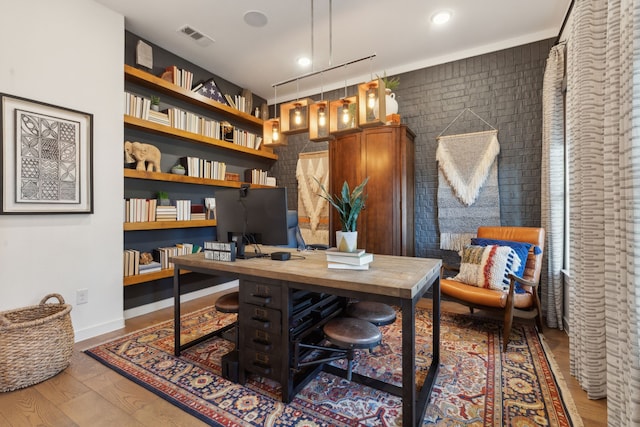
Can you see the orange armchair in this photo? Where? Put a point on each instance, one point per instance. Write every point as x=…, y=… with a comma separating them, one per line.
x=525, y=305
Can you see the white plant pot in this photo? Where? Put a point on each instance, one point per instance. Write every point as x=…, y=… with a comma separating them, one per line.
x=347, y=241
x=391, y=105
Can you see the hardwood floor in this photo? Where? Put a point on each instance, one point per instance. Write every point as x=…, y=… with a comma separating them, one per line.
x=90, y=394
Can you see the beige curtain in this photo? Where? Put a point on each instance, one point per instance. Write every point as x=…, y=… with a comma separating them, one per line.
x=552, y=197
x=603, y=112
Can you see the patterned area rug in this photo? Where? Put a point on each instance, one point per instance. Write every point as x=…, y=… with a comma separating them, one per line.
x=476, y=385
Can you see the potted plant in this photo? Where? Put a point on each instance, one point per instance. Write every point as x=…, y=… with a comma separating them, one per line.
x=390, y=84
x=163, y=198
x=348, y=204
x=155, y=103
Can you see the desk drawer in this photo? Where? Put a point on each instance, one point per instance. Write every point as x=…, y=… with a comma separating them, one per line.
x=260, y=340
x=263, y=318
x=264, y=364
x=260, y=294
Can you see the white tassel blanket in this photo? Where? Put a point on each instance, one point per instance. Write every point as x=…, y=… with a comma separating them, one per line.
x=468, y=192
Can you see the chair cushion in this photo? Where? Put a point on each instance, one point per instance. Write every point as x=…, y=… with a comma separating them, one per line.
x=483, y=297
x=487, y=266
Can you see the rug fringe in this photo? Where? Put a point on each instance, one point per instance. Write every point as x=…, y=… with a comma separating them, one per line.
x=455, y=241
x=567, y=398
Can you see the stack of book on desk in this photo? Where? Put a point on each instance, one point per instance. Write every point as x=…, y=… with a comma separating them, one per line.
x=358, y=260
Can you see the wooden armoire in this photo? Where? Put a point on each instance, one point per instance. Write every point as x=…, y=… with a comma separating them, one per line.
x=385, y=154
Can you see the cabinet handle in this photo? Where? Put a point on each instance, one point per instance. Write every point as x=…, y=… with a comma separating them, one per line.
x=264, y=299
x=264, y=369
x=261, y=323
x=262, y=345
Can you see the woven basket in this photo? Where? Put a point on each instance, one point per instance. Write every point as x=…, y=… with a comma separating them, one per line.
x=36, y=343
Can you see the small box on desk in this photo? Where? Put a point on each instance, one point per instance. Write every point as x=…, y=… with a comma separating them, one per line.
x=230, y=366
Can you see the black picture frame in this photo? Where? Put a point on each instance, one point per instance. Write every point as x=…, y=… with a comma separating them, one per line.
x=46, y=158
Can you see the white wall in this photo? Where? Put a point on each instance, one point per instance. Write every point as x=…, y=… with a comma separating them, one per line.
x=68, y=53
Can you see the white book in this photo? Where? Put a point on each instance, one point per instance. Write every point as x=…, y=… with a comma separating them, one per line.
x=356, y=253
x=340, y=266
x=352, y=260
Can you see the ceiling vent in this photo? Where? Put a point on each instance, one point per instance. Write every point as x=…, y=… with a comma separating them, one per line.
x=196, y=35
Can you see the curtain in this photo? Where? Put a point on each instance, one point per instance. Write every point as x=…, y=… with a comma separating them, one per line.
x=603, y=112
x=552, y=192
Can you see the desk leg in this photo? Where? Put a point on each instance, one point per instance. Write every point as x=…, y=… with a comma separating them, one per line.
x=176, y=311
x=408, y=362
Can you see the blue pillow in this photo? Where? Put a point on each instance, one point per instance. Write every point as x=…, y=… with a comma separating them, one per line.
x=521, y=249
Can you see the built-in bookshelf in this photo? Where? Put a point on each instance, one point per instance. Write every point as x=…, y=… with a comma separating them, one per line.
x=244, y=122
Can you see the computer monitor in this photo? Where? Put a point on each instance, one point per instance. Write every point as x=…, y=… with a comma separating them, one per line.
x=253, y=216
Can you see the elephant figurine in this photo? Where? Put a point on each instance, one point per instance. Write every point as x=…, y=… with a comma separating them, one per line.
x=144, y=154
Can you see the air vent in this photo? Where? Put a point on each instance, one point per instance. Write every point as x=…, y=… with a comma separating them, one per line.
x=196, y=35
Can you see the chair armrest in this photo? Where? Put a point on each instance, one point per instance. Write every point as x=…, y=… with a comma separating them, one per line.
x=523, y=281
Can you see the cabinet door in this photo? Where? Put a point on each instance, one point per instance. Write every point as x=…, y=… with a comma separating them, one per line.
x=381, y=218
x=345, y=160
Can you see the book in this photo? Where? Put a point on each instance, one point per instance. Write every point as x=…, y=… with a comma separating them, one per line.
x=340, y=266
x=356, y=253
x=365, y=258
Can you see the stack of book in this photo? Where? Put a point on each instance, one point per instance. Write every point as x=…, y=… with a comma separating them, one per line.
x=358, y=260
x=166, y=213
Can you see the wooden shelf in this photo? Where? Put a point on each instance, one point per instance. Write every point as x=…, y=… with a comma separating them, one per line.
x=168, y=225
x=149, y=277
x=150, y=81
x=171, y=177
x=158, y=129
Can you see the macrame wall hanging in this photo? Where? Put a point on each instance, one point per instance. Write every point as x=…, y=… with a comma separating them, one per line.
x=313, y=210
x=468, y=192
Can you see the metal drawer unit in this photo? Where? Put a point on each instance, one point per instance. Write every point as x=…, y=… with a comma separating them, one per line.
x=260, y=323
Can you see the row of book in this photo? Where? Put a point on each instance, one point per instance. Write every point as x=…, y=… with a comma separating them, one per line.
x=137, y=106
x=358, y=260
x=178, y=76
x=258, y=176
x=132, y=266
x=202, y=168
x=148, y=210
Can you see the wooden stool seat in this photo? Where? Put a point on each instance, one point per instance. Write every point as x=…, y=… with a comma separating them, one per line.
x=378, y=313
x=349, y=332
x=228, y=303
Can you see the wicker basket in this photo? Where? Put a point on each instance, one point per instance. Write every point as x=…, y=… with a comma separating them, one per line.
x=36, y=343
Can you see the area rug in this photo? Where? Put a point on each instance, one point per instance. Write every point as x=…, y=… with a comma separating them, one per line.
x=476, y=384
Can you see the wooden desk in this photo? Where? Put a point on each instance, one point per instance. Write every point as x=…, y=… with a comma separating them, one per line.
x=401, y=281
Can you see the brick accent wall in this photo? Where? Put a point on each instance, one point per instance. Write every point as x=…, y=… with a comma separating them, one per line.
x=505, y=89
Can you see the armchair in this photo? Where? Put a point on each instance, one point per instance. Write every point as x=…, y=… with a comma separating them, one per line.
x=525, y=304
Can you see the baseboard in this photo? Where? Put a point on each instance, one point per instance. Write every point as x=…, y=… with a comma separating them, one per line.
x=158, y=305
x=94, y=331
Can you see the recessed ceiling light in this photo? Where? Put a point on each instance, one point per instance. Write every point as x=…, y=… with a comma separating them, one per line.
x=303, y=61
x=441, y=17
x=255, y=18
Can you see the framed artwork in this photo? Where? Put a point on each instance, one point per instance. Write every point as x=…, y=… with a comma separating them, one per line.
x=47, y=161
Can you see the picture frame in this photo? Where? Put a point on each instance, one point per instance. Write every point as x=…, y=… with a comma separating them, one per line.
x=46, y=158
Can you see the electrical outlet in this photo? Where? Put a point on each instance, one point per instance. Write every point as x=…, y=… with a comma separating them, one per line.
x=82, y=296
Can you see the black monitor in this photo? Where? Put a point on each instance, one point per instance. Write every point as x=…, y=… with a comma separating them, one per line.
x=253, y=216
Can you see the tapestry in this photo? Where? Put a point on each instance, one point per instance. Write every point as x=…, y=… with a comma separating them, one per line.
x=313, y=210
x=477, y=385
x=468, y=192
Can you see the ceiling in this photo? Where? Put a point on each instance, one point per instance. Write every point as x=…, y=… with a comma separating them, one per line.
x=400, y=34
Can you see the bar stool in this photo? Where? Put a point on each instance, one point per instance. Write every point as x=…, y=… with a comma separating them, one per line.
x=229, y=303
x=378, y=313
x=347, y=334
